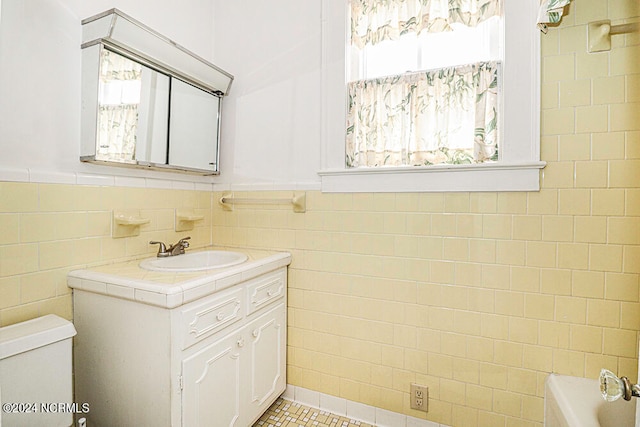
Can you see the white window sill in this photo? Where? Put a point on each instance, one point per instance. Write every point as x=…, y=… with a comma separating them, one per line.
x=438, y=178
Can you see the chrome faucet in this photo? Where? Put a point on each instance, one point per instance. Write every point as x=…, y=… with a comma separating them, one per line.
x=177, y=249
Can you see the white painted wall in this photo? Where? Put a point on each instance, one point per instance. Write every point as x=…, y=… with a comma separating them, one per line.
x=271, y=120
x=282, y=109
x=40, y=77
x=271, y=130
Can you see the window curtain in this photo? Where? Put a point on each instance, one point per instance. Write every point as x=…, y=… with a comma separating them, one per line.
x=373, y=21
x=118, y=120
x=550, y=12
x=440, y=116
x=424, y=118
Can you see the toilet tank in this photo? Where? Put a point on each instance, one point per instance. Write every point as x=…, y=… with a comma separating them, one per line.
x=36, y=373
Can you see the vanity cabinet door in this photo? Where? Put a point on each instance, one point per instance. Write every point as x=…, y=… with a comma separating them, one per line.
x=234, y=380
x=211, y=394
x=236, y=374
x=267, y=347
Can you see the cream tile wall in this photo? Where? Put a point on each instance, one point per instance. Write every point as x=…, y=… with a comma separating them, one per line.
x=478, y=295
x=46, y=230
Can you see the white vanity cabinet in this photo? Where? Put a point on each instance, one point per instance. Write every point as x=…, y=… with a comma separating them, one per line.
x=217, y=360
x=241, y=372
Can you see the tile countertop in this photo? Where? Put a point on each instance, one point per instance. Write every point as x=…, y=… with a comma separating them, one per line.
x=168, y=290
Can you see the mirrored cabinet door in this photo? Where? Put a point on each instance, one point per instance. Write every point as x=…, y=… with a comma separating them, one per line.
x=193, y=127
x=148, y=118
x=133, y=111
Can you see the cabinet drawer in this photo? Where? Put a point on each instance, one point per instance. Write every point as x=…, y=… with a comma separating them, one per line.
x=211, y=315
x=264, y=290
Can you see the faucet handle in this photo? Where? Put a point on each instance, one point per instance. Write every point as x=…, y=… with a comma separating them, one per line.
x=183, y=242
x=613, y=388
x=162, y=250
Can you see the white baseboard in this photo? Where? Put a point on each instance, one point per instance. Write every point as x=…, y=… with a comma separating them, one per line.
x=347, y=408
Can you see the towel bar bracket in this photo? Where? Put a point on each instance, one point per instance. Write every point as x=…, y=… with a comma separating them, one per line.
x=600, y=32
x=298, y=201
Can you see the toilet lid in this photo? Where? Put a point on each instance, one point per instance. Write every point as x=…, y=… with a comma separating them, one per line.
x=34, y=333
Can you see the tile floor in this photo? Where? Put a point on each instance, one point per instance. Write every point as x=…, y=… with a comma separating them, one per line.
x=284, y=413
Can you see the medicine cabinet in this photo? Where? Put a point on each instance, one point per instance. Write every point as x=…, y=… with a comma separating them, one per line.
x=146, y=101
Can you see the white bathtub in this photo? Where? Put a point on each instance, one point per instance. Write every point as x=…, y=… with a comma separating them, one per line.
x=577, y=402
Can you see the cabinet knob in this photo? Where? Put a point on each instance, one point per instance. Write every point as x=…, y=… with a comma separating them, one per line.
x=240, y=342
x=270, y=293
x=220, y=316
x=255, y=333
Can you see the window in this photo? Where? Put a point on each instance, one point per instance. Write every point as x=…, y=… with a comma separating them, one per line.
x=496, y=59
x=423, y=87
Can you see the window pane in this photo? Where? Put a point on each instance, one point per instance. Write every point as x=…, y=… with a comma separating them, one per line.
x=391, y=57
x=463, y=45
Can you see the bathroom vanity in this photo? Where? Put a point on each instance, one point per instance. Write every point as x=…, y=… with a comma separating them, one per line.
x=203, y=348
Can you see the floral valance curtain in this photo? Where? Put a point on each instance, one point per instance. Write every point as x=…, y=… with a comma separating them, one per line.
x=550, y=12
x=373, y=21
x=441, y=116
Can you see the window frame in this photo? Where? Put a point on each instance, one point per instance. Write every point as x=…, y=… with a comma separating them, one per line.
x=519, y=166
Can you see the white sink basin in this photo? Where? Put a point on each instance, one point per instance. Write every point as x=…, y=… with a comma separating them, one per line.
x=194, y=261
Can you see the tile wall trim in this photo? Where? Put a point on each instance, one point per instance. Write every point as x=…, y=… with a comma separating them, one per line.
x=269, y=186
x=347, y=408
x=182, y=182
x=81, y=178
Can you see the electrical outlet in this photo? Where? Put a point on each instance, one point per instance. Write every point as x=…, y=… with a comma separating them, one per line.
x=419, y=395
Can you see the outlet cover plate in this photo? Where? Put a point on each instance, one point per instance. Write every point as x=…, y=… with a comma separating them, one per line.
x=419, y=396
